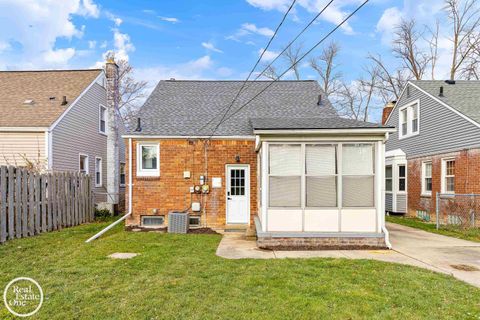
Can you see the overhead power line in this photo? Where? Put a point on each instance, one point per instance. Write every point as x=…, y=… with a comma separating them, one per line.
x=251, y=71
x=300, y=59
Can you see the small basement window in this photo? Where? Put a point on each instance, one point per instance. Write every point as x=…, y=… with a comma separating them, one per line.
x=153, y=221
x=194, y=222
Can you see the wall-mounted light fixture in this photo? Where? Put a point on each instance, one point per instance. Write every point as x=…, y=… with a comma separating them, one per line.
x=237, y=158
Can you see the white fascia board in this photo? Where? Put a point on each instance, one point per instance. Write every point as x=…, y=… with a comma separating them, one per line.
x=189, y=137
x=23, y=129
x=398, y=100
x=101, y=74
x=356, y=131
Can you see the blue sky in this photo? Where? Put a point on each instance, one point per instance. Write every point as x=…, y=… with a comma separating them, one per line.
x=191, y=39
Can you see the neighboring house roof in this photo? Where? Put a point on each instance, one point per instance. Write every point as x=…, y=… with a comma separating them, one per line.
x=463, y=96
x=182, y=108
x=39, y=86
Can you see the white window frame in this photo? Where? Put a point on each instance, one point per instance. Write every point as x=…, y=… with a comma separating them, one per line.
x=388, y=178
x=426, y=193
x=443, y=184
x=398, y=178
x=409, y=108
x=125, y=169
x=100, y=107
x=87, y=162
x=99, y=170
x=339, y=174
x=147, y=172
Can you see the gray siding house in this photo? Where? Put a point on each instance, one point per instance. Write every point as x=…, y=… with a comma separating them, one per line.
x=435, y=147
x=57, y=119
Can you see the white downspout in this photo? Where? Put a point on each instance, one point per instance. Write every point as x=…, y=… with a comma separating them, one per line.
x=130, y=185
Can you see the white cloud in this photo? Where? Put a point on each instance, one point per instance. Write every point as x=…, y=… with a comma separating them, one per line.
x=224, y=72
x=211, y=47
x=59, y=56
x=32, y=28
x=190, y=70
x=116, y=20
x=123, y=45
x=335, y=13
x=386, y=25
x=103, y=45
x=261, y=31
x=92, y=44
x=169, y=19
x=267, y=55
x=148, y=11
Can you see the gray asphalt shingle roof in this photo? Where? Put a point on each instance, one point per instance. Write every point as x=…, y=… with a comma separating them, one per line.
x=464, y=95
x=182, y=108
x=310, y=123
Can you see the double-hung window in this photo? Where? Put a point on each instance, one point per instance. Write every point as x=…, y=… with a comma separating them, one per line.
x=122, y=174
x=285, y=175
x=102, y=119
x=148, y=160
x=358, y=175
x=98, y=172
x=448, y=176
x=83, y=164
x=388, y=178
x=402, y=178
x=427, y=178
x=321, y=175
x=409, y=119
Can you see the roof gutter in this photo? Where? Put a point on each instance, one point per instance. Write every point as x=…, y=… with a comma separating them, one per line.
x=349, y=131
x=147, y=136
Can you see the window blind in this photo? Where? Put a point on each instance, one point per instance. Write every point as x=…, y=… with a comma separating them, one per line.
x=320, y=160
x=285, y=191
x=285, y=160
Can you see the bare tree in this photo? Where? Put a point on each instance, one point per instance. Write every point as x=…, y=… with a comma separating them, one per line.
x=270, y=72
x=389, y=84
x=433, y=46
x=326, y=68
x=405, y=47
x=291, y=56
x=465, y=21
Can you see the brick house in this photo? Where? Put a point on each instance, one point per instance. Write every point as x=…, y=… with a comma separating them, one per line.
x=285, y=164
x=436, y=147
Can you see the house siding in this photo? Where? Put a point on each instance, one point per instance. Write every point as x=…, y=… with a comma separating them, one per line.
x=388, y=202
x=171, y=191
x=78, y=132
x=441, y=129
x=401, y=203
x=14, y=146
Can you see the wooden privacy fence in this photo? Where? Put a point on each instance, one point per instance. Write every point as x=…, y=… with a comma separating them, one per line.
x=32, y=203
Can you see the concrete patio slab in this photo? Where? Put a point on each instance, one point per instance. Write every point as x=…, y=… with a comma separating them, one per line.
x=410, y=246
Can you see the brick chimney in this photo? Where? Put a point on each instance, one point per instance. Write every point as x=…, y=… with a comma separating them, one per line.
x=387, y=110
x=113, y=157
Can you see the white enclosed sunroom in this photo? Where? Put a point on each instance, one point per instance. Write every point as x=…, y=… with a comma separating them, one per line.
x=321, y=187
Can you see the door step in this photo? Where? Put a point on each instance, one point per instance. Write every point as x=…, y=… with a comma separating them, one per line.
x=236, y=228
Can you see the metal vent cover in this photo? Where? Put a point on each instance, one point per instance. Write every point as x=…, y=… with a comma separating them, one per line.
x=178, y=222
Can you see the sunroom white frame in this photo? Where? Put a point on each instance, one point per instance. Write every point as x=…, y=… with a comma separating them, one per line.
x=324, y=220
x=397, y=158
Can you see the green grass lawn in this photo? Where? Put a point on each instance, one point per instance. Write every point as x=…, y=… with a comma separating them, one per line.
x=179, y=276
x=472, y=234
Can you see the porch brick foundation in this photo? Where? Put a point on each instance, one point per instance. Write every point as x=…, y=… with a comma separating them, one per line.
x=322, y=243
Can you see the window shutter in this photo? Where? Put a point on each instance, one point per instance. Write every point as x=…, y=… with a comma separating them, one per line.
x=285, y=191
x=357, y=159
x=285, y=160
x=322, y=191
x=320, y=160
x=358, y=191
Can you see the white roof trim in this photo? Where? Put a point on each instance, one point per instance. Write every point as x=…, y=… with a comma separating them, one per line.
x=327, y=131
x=437, y=100
x=23, y=129
x=76, y=100
x=146, y=136
x=395, y=153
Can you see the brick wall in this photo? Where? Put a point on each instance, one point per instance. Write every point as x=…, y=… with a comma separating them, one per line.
x=170, y=191
x=322, y=243
x=467, y=178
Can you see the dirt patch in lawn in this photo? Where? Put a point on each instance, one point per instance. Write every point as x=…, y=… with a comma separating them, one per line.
x=202, y=231
x=464, y=267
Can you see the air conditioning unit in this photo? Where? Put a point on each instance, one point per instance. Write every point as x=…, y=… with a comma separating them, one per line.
x=178, y=222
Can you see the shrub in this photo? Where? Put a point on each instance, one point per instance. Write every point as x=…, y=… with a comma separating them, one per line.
x=102, y=214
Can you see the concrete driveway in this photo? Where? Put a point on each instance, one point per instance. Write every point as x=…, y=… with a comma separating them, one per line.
x=449, y=255
x=410, y=246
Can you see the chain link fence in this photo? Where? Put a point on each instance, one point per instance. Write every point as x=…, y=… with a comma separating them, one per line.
x=458, y=210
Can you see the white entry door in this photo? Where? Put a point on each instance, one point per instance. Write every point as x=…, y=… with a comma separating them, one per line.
x=238, y=193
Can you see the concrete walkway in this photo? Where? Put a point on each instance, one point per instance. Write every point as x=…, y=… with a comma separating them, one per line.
x=410, y=246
